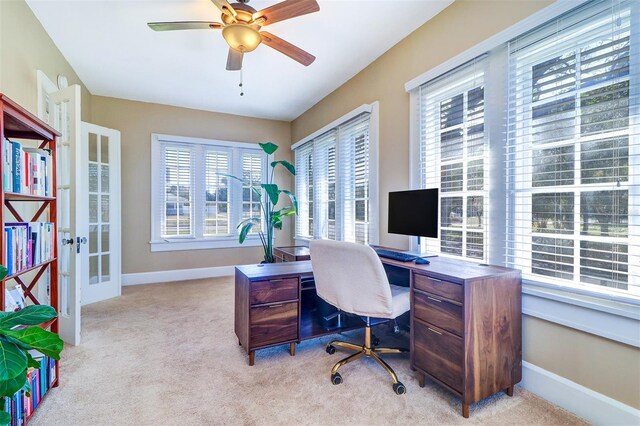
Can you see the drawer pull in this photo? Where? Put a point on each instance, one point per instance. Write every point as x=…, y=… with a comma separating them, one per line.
x=434, y=299
x=276, y=281
x=279, y=305
x=435, y=280
x=435, y=331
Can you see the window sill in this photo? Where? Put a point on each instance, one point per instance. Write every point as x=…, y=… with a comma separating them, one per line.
x=612, y=319
x=202, y=244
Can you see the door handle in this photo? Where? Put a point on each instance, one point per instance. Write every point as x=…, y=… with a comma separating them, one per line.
x=80, y=240
x=65, y=241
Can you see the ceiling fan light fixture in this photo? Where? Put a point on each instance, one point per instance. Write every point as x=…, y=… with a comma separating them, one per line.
x=241, y=37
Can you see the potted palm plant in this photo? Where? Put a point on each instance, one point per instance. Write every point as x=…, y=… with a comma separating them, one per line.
x=270, y=216
x=20, y=333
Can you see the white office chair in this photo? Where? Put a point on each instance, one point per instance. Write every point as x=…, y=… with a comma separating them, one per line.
x=351, y=277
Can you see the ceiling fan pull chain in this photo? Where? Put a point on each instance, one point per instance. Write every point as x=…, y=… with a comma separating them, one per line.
x=241, y=89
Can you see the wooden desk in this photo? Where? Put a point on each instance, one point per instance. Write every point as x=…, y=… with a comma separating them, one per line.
x=466, y=319
x=291, y=253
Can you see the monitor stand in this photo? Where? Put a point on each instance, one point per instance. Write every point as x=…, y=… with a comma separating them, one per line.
x=424, y=256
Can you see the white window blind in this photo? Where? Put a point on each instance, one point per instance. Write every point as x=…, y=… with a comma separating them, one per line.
x=453, y=158
x=333, y=183
x=177, y=191
x=573, y=149
x=195, y=201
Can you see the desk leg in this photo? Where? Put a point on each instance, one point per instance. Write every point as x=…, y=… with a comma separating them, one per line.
x=421, y=380
x=292, y=348
x=252, y=357
x=509, y=390
x=465, y=410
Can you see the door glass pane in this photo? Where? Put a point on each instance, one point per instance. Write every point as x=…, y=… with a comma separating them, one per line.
x=104, y=149
x=93, y=239
x=93, y=269
x=93, y=208
x=104, y=207
x=93, y=147
x=93, y=177
x=105, y=238
x=104, y=178
x=105, y=268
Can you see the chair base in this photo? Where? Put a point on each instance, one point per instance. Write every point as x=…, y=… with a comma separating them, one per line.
x=367, y=350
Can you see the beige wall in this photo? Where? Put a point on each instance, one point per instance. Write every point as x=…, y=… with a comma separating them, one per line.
x=137, y=121
x=25, y=47
x=602, y=365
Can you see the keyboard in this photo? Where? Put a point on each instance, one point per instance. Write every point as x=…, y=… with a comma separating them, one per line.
x=395, y=255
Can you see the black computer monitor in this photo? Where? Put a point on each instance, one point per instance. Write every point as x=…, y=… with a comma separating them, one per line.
x=414, y=212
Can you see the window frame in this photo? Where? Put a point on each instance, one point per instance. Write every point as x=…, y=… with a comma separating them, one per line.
x=373, y=204
x=198, y=240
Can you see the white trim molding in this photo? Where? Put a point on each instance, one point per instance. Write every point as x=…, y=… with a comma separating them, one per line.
x=335, y=123
x=527, y=24
x=158, y=277
x=592, y=406
x=610, y=319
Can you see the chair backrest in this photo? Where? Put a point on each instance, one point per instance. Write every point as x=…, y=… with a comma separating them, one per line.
x=351, y=277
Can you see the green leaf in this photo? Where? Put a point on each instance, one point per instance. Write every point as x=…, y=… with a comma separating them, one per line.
x=3, y=272
x=31, y=362
x=12, y=360
x=11, y=386
x=26, y=388
x=244, y=231
x=36, y=338
x=30, y=315
x=269, y=147
x=287, y=165
x=231, y=176
x=272, y=191
x=294, y=200
x=251, y=219
x=5, y=418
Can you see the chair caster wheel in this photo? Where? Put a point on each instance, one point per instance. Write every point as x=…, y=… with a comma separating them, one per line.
x=399, y=388
x=331, y=350
x=336, y=379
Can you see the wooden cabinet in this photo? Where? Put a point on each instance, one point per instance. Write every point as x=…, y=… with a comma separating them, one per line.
x=267, y=312
x=466, y=328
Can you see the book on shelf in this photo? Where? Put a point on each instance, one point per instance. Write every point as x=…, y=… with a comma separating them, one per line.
x=26, y=170
x=22, y=405
x=27, y=244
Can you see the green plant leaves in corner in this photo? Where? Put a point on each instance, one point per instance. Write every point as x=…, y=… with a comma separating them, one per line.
x=293, y=199
x=244, y=231
x=287, y=165
x=11, y=386
x=12, y=360
x=30, y=315
x=269, y=147
x=5, y=418
x=272, y=191
x=36, y=338
x=3, y=272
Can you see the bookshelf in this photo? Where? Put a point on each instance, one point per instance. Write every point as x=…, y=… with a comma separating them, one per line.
x=29, y=227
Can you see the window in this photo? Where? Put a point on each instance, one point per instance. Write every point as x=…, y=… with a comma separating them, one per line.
x=194, y=204
x=573, y=106
x=335, y=182
x=453, y=157
x=535, y=146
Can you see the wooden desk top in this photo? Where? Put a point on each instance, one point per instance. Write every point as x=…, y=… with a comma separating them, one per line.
x=455, y=270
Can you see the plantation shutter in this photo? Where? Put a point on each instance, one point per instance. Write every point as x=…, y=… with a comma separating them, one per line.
x=453, y=158
x=354, y=162
x=177, y=165
x=304, y=190
x=216, y=211
x=574, y=149
x=324, y=185
x=252, y=163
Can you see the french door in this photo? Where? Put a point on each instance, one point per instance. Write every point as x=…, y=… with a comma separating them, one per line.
x=98, y=241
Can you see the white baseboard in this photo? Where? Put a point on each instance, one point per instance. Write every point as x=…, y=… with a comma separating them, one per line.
x=592, y=406
x=176, y=275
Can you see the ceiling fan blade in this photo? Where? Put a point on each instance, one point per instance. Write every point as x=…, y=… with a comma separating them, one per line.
x=234, y=60
x=282, y=46
x=286, y=10
x=225, y=8
x=184, y=25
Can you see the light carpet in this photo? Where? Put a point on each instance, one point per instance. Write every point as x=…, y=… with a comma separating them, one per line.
x=166, y=354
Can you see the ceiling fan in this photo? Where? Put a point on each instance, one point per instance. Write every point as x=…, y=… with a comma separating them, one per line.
x=241, y=25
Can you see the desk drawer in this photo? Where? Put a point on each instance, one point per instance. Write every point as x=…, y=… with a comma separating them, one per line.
x=439, y=287
x=277, y=290
x=436, y=311
x=438, y=353
x=273, y=324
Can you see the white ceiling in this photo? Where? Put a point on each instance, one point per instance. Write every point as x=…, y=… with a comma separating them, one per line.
x=115, y=54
